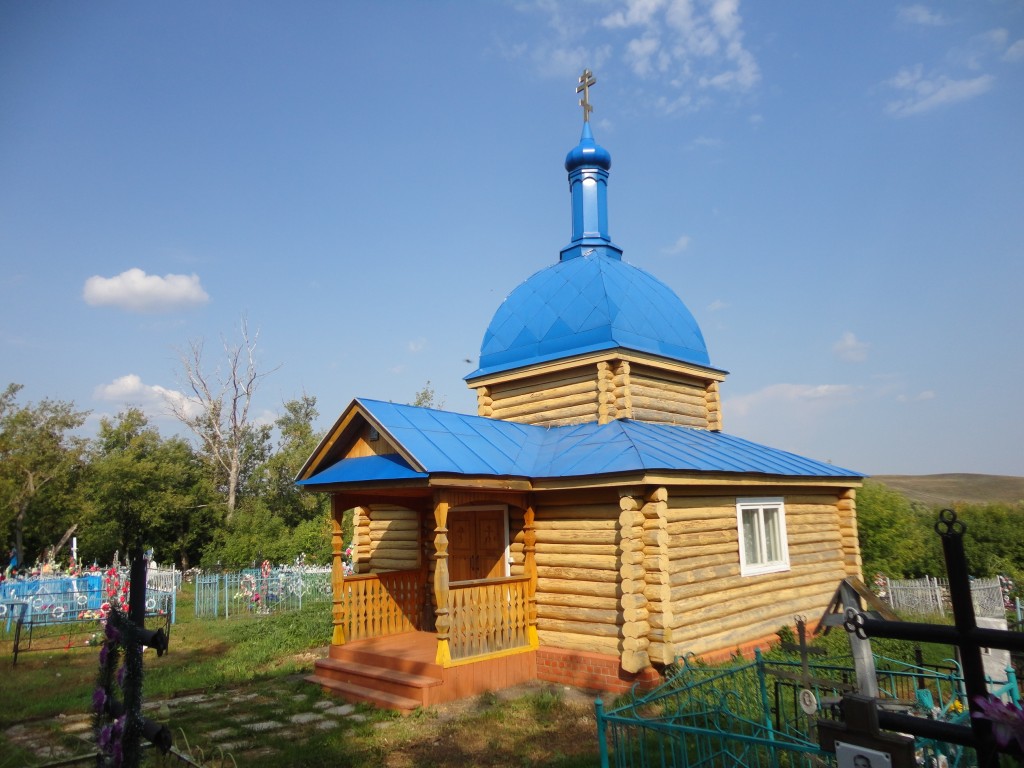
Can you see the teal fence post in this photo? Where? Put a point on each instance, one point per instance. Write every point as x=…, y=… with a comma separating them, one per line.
x=766, y=708
x=226, y=598
x=602, y=739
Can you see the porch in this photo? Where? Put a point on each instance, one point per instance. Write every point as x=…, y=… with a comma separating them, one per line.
x=399, y=672
x=400, y=646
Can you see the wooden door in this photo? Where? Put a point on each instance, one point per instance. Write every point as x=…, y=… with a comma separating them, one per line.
x=476, y=544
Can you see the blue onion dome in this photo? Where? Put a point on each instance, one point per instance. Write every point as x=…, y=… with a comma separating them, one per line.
x=586, y=305
x=588, y=153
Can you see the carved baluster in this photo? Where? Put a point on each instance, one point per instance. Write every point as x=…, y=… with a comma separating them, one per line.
x=442, y=621
x=337, y=580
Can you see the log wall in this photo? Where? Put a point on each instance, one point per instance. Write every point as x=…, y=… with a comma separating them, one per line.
x=578, y=563
x=388, y=539
x=654, y=396
x=713, y=607
x=565, y=397
x=848, y=528
x=604, y=391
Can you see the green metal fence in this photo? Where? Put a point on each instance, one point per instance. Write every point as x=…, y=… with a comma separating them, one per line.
x=750, y=715
x=705, y=716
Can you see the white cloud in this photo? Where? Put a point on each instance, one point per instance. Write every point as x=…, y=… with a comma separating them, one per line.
x=921, y=14
x=680, y=245
x=417, y=345
x=1015, y=52
x=636, y=12
x=135, y=291
x=920, y=397
x=850, y=349
x=775, y=395
x=705, y=142
x=718, y=305
x=155, y=401
x=980, y=48
x=922, y=94
x=695, y=49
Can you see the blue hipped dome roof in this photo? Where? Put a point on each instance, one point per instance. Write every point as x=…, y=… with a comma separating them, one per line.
x=588, y=304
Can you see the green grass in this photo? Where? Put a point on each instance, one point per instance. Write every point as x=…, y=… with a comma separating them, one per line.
x=252, y=666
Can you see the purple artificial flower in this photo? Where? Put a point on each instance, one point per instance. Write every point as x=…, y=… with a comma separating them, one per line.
x=112, y=632
x=120, y=675
x=1007, y=720
x=104, y=652
x=99, y=700
x=106, y=734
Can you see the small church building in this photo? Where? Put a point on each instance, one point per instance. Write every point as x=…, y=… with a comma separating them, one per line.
x=592, y=522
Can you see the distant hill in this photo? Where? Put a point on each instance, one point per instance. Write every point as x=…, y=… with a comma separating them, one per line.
x=939, y=490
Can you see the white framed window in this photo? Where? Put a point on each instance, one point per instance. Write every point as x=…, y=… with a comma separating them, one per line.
x=762, y=529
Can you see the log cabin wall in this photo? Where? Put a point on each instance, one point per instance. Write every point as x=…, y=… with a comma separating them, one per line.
x=659, y=396
x=603, y=391
x=392, y=539
x=562, y=397
x=848, y=527
x=578, y=562
x=704, y=605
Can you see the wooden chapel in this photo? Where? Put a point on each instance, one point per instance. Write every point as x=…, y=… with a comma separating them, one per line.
x=592, y=522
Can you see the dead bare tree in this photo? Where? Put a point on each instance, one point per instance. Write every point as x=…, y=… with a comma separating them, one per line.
x=216, y=405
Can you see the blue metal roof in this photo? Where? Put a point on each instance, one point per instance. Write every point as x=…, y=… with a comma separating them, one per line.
x=588, y=304
x=440, y=442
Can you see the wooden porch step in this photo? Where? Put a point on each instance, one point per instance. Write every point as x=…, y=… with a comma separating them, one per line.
x=359, y=694
x=396, y=661
x=386, y=677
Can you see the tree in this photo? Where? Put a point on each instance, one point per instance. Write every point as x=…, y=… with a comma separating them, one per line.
x=427, y=398
x=893, y=534
x=37, y=450
x=275, y=480
x=280, y=520
x=216, y=409
x=147, y=490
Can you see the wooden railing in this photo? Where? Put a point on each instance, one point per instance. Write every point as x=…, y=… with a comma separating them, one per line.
x=379, y=604
x=488, y=616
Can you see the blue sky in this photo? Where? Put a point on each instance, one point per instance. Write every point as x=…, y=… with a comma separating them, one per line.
x=835, y=190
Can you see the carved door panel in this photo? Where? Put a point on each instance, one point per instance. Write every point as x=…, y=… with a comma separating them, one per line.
x=476, y=544
x=461, y=546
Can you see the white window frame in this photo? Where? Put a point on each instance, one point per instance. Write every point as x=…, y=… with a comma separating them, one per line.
x=768, y=566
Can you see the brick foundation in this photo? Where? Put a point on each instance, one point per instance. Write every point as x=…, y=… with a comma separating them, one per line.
x=591, y=671
x=601, y=672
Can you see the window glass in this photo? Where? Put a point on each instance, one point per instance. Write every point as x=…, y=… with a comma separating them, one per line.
x=762, y=532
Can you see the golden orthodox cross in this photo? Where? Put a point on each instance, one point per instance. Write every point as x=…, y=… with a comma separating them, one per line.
x=586, y=80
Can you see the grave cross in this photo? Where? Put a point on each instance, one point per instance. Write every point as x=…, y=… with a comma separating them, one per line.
x=965, y=634
x=586, y=80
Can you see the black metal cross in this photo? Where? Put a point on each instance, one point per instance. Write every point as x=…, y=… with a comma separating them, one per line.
x=965, y=634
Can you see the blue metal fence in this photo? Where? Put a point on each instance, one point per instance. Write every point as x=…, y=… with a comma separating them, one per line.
x=260, y=591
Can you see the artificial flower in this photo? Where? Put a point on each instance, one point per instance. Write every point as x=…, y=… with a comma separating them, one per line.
x=1007, y=720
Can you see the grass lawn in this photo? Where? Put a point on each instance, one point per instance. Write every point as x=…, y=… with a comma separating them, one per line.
x=236, y=684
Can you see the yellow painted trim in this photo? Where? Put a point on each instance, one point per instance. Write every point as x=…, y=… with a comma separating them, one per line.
x=444, y=654
x=489, y=656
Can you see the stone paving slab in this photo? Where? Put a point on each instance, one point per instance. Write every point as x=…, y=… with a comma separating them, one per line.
x=254, y=714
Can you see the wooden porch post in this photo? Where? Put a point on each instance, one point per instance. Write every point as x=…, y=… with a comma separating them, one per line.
x=530, y=570
x=337, y=576
x=443, y=621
